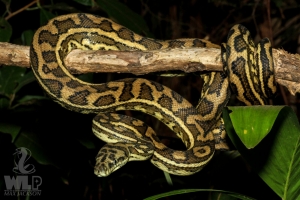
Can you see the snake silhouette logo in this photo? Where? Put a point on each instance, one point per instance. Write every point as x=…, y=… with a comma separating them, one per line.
x=21, y=167
x=22, y=183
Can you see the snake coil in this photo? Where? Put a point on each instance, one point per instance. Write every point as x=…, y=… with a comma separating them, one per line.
x=200, y=128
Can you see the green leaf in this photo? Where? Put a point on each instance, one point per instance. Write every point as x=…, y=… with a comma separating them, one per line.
x=222, y=196
x=24, y=80
x=87, y=143
x=168, y=178
x=10, y=128
x=184, y=191
x=125, y=16
x=252, y=133
x=88, y=77
x=27, y=37
x=5, y=30
x=85, y=2
x=34, y=142
x=27, y=98
x=45, y=16
x=12, y=79
x=276, y=158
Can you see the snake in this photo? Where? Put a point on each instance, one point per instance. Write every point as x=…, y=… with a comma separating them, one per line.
x=248, y=71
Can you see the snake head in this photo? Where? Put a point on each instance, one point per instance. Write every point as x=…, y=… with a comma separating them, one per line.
x=110, y=158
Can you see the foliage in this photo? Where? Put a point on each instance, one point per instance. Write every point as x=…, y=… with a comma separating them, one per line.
x=64, y=148
x=278, y=164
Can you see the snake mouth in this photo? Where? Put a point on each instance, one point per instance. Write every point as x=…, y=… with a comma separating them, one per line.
x=102, y=170
x=105, y=169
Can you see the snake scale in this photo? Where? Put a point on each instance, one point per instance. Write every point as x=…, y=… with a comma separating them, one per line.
x=249, y=70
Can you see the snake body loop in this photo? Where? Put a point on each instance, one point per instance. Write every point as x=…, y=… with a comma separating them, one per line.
x=129, y=138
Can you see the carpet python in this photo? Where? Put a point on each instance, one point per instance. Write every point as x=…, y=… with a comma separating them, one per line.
x=249, y=70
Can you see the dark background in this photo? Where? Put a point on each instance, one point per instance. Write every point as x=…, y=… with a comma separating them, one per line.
x=62, y=142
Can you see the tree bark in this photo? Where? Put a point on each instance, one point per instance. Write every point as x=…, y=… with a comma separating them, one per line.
x=287, y=66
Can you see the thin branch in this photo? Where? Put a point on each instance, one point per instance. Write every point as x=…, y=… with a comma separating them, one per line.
x=20, y=10
x=287, y=66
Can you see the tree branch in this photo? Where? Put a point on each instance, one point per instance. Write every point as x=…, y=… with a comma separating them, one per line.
x=287, y=66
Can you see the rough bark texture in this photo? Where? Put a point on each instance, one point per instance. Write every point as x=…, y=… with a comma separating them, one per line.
x=138, y=62
x=287, y=70
x=11, y=54
x=287, y=66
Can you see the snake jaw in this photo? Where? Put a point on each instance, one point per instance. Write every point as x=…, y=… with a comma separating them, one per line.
x=111, y=157
x=102, y=170
x=105, y=168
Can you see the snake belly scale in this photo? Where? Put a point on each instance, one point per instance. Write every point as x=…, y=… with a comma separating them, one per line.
x=52, y=42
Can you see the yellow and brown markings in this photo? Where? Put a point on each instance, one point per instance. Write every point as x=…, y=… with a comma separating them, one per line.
x=47, y=37
x=119, y=133
x=79, y=31
x=106, y=25
x=73, y=84
x=54, y=86
x=49, y=56
x=145, y=92
x=247, y=63
x=199, y=43
x=266, y=67
x=126, y=93
x=176, y=44
x=79, y=98
x=105, y=100
x=52, y=42
x=119, y=128
x=126, y=34
x=63, y=26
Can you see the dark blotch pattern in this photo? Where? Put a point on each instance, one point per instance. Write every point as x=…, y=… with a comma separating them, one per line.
x=65, y=25
x=238, y=68
x=45, y=69
x=159, y=87
x=150, y=44
x=165, y=102
x=102, y=158
x=79, y=98
x=239, y=43
x=58, y=72
x=73, y=84
x=233, y=88
x=145, y=92
x=267, y=70
x=125, y=34
x=177, y=97
x=231, y=31
x=106, y=26
x=242, y=29
x=54, y=86
x=126, y=93
x=199, y=43
x=103, y=88
x=87, y=22
x=49, y=56
x=47, y=37
x=33, y=59
x=176, y=44
x=105, y=100
x=207, y=107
